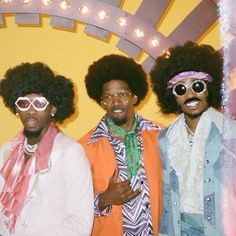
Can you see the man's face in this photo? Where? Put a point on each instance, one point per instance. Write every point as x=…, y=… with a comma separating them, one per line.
x=35, y=117
x=118, y=101
x=193, y=103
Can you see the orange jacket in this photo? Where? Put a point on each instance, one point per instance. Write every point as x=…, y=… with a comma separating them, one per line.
x=102, y=162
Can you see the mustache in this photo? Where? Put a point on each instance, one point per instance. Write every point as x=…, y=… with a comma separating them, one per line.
x=191, y=100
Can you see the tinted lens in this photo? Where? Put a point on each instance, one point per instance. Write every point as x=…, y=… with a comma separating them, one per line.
x=180, y=89
x=198, y=86
x=40, y=102
x=22, y=103
x=124, y=96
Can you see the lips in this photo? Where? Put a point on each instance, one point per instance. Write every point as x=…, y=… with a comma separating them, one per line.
x=117, y=110
x=192, y=104
x=30, y=122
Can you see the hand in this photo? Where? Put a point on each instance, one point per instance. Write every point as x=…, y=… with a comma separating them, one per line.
x=117, y=193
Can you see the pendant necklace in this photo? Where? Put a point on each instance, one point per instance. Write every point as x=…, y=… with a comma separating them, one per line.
x=190, y=134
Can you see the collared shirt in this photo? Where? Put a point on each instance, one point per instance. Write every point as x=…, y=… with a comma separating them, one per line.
x=136, y=213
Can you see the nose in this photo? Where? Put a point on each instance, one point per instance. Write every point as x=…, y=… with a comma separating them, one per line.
x=189, y=93
x=31, y=109
x=115, y=99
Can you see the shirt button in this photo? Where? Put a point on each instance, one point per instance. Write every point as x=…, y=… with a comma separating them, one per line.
x=208, y=180
x=175, y=203
x=141, y=182
x=207, y=161
x=208, y=199
x=209, y=218
x=147, y=205
x=24, y=223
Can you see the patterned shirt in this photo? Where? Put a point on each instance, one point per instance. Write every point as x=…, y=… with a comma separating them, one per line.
x=136, y=214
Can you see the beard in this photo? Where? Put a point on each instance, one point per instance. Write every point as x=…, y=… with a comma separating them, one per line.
x=120, y=121
x=32, y=134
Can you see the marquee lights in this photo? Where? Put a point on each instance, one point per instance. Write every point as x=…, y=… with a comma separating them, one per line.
x=83, y=9
x=5, y=1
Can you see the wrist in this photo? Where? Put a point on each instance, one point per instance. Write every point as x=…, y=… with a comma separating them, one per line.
x=103, y=202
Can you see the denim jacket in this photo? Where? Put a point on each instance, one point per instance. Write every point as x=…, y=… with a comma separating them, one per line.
x=170, y=223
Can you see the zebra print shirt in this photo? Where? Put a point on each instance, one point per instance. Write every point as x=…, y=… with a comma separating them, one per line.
x=136, y=214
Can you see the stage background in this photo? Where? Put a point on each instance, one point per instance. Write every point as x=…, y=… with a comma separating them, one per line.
x=71, y=52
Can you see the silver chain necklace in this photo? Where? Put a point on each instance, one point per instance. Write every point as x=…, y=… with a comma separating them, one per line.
x=190, y=134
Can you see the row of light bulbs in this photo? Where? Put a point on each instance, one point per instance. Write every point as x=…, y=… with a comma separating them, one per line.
x=83, y=9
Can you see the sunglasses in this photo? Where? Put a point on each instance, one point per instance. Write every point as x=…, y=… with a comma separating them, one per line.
x=38, y=103
x=197, y=86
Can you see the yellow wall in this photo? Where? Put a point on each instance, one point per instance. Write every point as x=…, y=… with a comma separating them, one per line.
x=70, y=54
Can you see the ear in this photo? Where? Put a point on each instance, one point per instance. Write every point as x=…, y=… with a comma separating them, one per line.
x=135, y=99
x=53, y=110
x=103, y=105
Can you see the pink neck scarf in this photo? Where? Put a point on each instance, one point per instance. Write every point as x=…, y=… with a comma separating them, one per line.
x=17, y=172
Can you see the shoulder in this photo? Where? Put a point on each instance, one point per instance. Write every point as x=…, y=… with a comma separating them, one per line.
x=70, y=154
x=4, y=152
x=148, y=125
x=67, y=145
x=85, y=138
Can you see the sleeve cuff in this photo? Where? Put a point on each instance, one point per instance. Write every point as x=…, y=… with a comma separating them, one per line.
x=97, y=212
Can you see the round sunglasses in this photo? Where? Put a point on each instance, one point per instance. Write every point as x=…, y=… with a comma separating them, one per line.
x=38, y=103
x=197, y=86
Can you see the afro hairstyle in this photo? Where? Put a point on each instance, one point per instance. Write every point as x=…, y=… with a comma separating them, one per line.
x=28, y=78
x=116, y=67
x=187, y=57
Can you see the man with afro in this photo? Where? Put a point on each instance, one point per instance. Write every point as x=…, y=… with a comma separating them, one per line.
x=187, y=81
x=122, y=151
x=45, y=180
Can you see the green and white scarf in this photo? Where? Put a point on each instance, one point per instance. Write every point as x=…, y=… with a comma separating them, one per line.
x=131, y=145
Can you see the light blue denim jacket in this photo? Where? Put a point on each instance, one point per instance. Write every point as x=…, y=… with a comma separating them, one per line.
x=170, y=223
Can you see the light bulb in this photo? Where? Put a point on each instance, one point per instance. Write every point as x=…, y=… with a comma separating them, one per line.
x=102, y=15
x=155, y=42
x=139, y=33
x=46, y=2
x=65, y=4
x=83, y=9
x=122, y=21
x=25, y=1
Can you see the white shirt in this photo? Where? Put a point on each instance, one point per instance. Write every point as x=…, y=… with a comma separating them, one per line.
x=59, y=201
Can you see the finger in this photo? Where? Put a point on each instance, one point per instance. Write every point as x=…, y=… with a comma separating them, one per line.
x=114, y=176
x=130, y=195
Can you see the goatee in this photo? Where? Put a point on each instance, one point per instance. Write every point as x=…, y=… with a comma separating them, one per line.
x=32, y=134
x=120, y=122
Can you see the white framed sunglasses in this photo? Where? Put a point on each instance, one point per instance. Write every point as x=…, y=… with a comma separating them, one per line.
x=38, y=103
x=197, y=87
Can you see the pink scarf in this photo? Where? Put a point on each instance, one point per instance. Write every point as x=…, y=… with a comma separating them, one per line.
x=17, y=172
